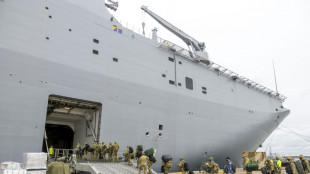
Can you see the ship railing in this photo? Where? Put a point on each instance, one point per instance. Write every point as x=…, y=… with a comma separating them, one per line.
x=220, y=70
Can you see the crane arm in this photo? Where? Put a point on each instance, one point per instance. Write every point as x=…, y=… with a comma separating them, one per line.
x=197, y=46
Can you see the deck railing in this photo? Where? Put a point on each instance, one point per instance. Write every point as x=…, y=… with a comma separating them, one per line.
x=167, y=45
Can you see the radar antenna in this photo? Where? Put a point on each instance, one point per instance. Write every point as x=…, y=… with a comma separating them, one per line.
x=193, y=45
x=113, y=5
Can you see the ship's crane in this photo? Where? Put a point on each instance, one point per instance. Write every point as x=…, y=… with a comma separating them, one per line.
x=193, y=45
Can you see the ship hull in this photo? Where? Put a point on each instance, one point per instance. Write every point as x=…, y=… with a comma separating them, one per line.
x=134, y=95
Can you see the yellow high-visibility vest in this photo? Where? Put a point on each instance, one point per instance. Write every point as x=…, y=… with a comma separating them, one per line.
x=51, y=151
x=279, y=163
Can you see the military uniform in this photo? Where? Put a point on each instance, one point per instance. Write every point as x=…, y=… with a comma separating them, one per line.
x=92, y=154
x=142, y=163
x=292, y=165
x=85, y=150
x=270, y=166
x=305, y=164
x=166, y=166
x=78, y=149
x=135, y=156
x=110, y=150
x=97, y=151
x=181, y=165
x=149, y=165
x=115, y=150
x=104, y=151
x=211, y=165
x=128, y=156
x=245, y=161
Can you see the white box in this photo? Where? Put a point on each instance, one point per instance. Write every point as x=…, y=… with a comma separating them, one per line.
x=34, y=160
x=10, y=171
x=36, y=172
x=10, y=165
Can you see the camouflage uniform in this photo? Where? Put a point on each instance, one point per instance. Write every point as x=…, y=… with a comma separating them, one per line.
x=78, y=151
x=104, y=151
x=110, y=151
x=305, y=164
x=92, y=154
x=149, y=165
x=270, y=166
x=181, y=165
x=115, y=150
x=142, y=161
x=211, y=165
x=135, y=156
x=245, y=161
x=292, y=165
x=166, y=166
x=128, y=156
x=85, y=151
x=97, y=151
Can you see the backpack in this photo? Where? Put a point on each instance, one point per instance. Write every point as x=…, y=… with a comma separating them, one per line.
x=191, y=172
x=152, y=159
x=299, y=167
x=233, y=166
x=276, y=168
x=185, y=166
x=130, y=149
x=140, y=147
x=288, y=169
x=264, y=170
x=86, y=146
x=216, y=168
x=138, y=154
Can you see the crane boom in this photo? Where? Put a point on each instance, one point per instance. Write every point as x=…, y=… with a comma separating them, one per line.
x=193, y=44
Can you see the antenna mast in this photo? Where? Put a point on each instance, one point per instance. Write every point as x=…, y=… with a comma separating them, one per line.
x=275, y=77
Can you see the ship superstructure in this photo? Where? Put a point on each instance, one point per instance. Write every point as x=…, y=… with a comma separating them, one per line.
x=73, y=72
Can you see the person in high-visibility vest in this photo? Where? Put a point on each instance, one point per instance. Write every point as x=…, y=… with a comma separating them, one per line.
x=51, y=151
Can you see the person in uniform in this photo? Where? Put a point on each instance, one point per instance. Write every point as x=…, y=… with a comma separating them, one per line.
x=181, y=165
x=305, y=164
x=245, y=161
x=115, y=150
x=110, y=150
x=292, y=165
x=166, y=166
x=142, y=163
x=211, y=165
x=150, y=163
x=128, y=155
x=97, y=151
x=85, y=147
x=279, y=164
x=92, y=153
x=137, y=156
x=51, y=151
x=78, y=149
x=104, y=151
x=270, y=166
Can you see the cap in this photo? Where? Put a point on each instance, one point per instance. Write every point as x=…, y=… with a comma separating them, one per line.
x=211, y=158
x=289, y=158
x=181, y=158
x=301, y=156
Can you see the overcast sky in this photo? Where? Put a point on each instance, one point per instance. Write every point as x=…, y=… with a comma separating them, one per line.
x=244, y=36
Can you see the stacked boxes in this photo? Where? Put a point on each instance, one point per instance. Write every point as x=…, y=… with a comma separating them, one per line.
x=10, y=167
x=35, y=163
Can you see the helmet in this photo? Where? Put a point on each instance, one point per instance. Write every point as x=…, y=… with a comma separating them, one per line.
x=277, y=158
x=289, y=158
x=211, y=158
x=181, y=158
x=110, y=143
x=115, y=142
x=301, y=156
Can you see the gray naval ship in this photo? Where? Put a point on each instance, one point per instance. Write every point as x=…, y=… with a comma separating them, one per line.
x=69, y=71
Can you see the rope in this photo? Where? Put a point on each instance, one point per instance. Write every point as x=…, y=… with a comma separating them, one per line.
x=271, y=139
